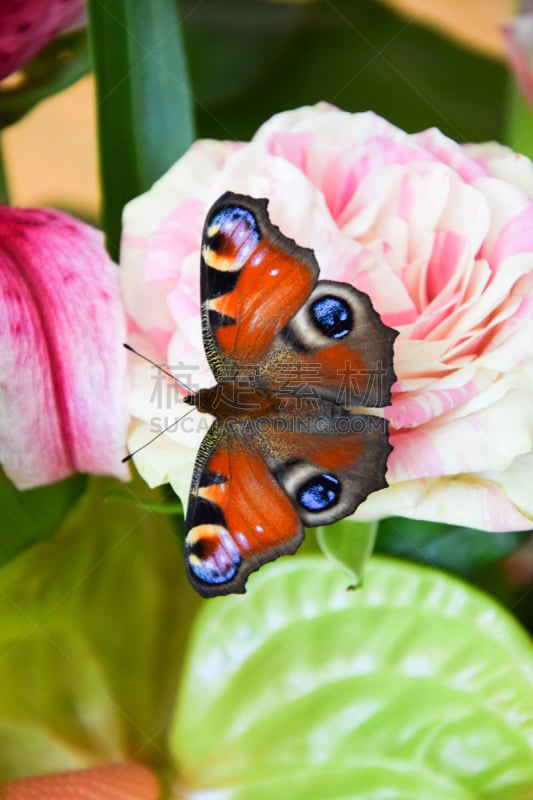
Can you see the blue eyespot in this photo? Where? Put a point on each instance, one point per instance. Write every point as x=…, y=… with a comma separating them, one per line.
x=319, y=493
x=237, y=222
x=233, y=230
x=332, y=316
x=213, y=557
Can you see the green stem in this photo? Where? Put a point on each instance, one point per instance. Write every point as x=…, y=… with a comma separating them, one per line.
x=145, y=114
x=4, y=187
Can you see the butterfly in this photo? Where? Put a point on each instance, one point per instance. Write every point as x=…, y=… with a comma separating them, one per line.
x=297, y=362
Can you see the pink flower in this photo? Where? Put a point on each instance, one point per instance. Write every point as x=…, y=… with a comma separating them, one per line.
x=26, y=27
x=518, y=36
x=62, y=400
x=440, y=235
x=117, y=781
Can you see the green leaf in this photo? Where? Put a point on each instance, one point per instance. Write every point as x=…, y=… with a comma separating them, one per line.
x=35, y=514
x=246, y=67
x=519, y=122
x=93, y=625
x=144, y=101
x=57, y=66
x=463, y=551
x=349, y=544
x=169, y=509
x=414, y=687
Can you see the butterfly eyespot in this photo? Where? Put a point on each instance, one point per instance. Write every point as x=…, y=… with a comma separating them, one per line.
x=231, y=236
x=319, y=496
x=236, y=223
x=212, y=555
x=215, y=241
x=319, y=493
x=332, y=316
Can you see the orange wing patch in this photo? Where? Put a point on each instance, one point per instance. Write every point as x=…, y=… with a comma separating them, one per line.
x=235, y=529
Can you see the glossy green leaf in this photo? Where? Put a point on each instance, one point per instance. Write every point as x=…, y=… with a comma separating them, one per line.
x=93, y=624
x=57, y=66
x=415, y=686
x=31, y=515
x=145, y=118
x=463, y=551
x=349, y=544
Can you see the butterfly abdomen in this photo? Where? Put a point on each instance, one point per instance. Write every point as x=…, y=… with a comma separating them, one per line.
x=234, y=400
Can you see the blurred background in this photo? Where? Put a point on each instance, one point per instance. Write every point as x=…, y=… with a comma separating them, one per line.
x=417, y=63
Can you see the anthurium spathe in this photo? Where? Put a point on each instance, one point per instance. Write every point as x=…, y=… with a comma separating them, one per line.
x=117, y=781
x=26, y=27
x=62, y=391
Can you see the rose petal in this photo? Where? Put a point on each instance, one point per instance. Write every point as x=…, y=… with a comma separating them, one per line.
x=501, y=162
x=470, y=503
x=63, y=402
x=449, y=152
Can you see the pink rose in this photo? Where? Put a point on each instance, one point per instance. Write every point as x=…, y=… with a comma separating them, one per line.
x=63, y=375
x=26, y=26
x=440, y=236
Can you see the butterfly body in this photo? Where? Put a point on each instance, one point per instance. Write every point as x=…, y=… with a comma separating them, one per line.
x=233, y=401
x=301, y=366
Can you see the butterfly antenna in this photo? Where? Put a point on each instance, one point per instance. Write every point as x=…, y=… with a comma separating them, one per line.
x=172, y=425
x=159, y=367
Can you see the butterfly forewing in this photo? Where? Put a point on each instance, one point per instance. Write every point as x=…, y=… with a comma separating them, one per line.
x=253, y=280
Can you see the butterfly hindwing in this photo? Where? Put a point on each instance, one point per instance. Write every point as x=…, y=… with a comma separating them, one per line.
x=253, y=280
x=238, y=518
x=327, y=463
x=335, y=345
x=256, y=485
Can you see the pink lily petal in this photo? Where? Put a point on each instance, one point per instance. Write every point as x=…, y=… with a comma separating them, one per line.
x=62, y=379
x=117, y=781
x=26, y=27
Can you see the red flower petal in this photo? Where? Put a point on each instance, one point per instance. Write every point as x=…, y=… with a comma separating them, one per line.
x=62, y=374
x=113, y=782
x=26, y=27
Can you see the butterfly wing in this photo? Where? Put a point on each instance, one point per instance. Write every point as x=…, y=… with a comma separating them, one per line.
x=253, y=280
x=328, y=462
x=264, y=314
x=336, y=348
x=315, y=348
x=238, y=517
x=255, y=486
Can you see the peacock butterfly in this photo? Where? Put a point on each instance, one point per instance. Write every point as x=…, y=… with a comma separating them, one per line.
x=298, y=363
